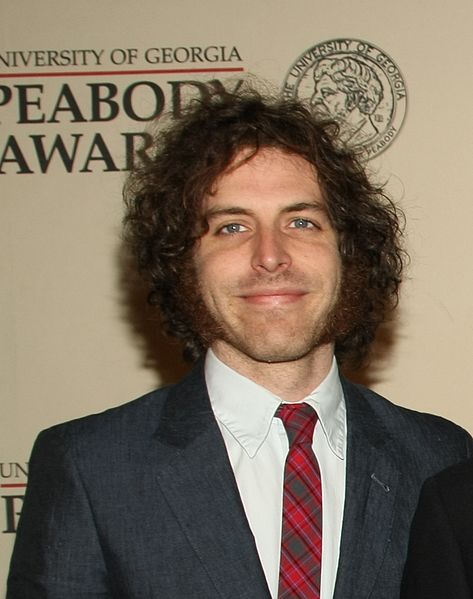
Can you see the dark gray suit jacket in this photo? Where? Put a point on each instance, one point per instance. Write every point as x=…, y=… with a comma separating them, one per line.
x=140, y=502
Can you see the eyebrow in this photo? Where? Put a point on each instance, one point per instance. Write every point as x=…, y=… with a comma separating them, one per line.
x=314, y=206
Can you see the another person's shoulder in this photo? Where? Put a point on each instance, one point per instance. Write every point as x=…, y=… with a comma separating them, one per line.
x=454, y=480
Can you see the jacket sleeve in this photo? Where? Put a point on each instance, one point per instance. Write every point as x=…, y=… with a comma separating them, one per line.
x=57, y=553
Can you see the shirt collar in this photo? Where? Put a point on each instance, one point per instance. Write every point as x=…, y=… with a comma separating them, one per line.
x=246, y=409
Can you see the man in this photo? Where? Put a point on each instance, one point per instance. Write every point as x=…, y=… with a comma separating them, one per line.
x=273, y=259
x=440, y=556
x=350, y=92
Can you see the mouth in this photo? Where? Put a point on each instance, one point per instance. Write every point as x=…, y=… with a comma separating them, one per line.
x=274, y=297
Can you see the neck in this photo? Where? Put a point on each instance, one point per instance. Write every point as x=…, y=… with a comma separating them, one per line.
x=291, y=381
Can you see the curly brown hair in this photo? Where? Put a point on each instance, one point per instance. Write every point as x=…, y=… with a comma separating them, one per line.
x=163, y=198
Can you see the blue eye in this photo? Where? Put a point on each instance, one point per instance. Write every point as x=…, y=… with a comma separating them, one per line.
x=232, y=228
x=302, y=223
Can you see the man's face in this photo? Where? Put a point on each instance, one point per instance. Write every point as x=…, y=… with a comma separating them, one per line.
x=268, y=269
x=333, y=100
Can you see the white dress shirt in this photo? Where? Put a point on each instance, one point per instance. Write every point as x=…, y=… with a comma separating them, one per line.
x=257, y=446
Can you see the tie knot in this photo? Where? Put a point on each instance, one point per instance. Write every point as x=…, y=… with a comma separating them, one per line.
x=299, y=421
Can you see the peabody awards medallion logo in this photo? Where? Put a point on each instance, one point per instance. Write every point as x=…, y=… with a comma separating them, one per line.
x=356, y=84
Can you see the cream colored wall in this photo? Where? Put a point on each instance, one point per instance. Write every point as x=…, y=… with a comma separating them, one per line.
x=66, y=347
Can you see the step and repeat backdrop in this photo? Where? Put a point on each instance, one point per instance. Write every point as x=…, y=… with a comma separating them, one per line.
x=78, y=88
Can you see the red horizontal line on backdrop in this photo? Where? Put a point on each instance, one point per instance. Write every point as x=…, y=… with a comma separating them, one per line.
x=13, y=485
x=137, y=72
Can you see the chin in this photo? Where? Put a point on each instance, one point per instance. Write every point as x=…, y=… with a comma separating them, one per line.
x=273, y=354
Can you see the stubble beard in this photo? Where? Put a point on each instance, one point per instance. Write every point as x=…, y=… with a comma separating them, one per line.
x=210, y=329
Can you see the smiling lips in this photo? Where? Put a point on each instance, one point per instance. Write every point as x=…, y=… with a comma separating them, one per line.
x=274, y=297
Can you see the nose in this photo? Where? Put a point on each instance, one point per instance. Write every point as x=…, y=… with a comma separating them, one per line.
x=316, y=98
x=270, y=253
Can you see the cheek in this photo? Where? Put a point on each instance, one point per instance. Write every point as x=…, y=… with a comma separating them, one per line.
x=331, y=271
x=221, y=267
x=208, y=271
x=210, y=276
x=337, y=269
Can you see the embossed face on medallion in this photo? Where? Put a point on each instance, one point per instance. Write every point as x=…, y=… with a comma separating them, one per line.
x=356, y=84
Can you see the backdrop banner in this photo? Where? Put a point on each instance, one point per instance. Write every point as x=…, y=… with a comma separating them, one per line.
x=81, y=91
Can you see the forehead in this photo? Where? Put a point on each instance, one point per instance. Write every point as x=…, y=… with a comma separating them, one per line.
x=326, y=81
x=269, y=171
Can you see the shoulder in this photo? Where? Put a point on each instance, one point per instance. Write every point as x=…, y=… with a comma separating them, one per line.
x=126, y=429
x=399, y=416
x=126, y=424
x=446, y=500
x=454, y=482
x=440, y=557
x=417, y=433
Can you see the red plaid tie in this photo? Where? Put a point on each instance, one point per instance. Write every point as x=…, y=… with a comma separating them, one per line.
x=301, y=539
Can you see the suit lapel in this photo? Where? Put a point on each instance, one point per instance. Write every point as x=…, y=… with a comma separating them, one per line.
x=196, y=477
x=372, y=482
